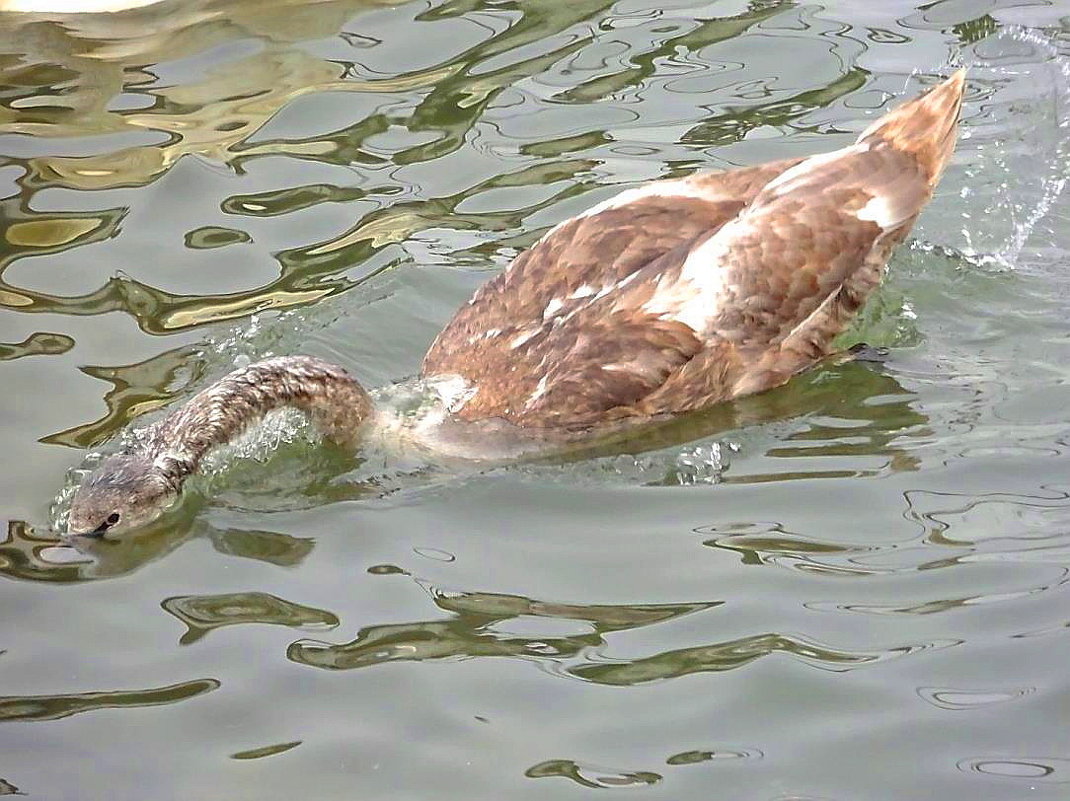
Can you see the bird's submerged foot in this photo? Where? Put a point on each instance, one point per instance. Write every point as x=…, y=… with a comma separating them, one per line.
x=867, y=353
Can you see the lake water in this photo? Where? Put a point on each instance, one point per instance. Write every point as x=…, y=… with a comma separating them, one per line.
x=853, y=587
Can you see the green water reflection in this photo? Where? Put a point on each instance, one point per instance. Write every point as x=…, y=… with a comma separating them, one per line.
x=54, y=707
x=850, y=587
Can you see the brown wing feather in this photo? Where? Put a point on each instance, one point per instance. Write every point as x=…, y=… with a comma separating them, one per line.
x=803, y=239
x=808, y=254
x=797, y=264
x=611, y=362
x=592, y=250
x=558, y=313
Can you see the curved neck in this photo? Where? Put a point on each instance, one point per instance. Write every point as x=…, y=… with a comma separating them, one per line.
x=335, y=402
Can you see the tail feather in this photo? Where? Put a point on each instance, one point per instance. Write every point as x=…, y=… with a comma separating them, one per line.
x=925, y=127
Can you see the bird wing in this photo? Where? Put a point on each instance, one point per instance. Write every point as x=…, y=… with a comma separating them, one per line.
x=723, y=312
x=769, y=291
x=542, y=308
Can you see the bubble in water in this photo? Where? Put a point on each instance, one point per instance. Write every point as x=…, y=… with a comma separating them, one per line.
x=703, y=464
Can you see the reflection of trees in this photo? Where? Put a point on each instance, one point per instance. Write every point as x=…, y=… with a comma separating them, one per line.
x=736, y=123
x=136, y=389
x=37, y=343
x=478, y=628
x=204, y=613
x=54, y=707
x=475, y=630
x=590, y=776
x=28, y=556
x=23, y=555
x=720, y=656
x=215, y=117
x=708, y=32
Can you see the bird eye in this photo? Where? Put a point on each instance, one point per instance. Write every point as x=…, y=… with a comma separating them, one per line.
x=113, y=518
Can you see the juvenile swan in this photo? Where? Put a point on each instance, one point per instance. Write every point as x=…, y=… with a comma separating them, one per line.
x=669, y=297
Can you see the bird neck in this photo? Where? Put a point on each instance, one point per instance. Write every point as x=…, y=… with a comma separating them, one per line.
x=336, y=404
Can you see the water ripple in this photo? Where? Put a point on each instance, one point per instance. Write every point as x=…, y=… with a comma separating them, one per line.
x=957, y=700
x=588, y=775
x=1046, y=770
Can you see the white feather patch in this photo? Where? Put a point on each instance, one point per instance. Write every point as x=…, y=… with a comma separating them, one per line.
x=701, y=290
x=552, y=308
x=540, y=390
x=523, y=337
x=882, y=210
x=582, y=291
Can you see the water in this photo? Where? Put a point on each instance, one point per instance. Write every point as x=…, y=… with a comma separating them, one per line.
x=851, y=587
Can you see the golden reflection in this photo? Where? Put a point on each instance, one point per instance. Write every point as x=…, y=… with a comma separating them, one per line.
x=136, y=389
x=216, y=115
x=30, y=233
x=36, y=344
x=14, y=299
x=74, y=6
x=50, y=233
x=86, y=75
x=105, y=54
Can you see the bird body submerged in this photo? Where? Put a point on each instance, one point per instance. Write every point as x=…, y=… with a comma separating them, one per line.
x=666, y=298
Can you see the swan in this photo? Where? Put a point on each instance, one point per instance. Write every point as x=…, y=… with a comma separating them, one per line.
x=669, y=297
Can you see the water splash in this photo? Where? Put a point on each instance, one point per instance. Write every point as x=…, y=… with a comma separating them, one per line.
x=1013, y=157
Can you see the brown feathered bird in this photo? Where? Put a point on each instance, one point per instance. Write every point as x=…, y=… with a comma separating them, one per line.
x=667, y=298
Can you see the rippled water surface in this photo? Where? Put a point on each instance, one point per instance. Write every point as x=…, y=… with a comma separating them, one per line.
x=852, y=587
